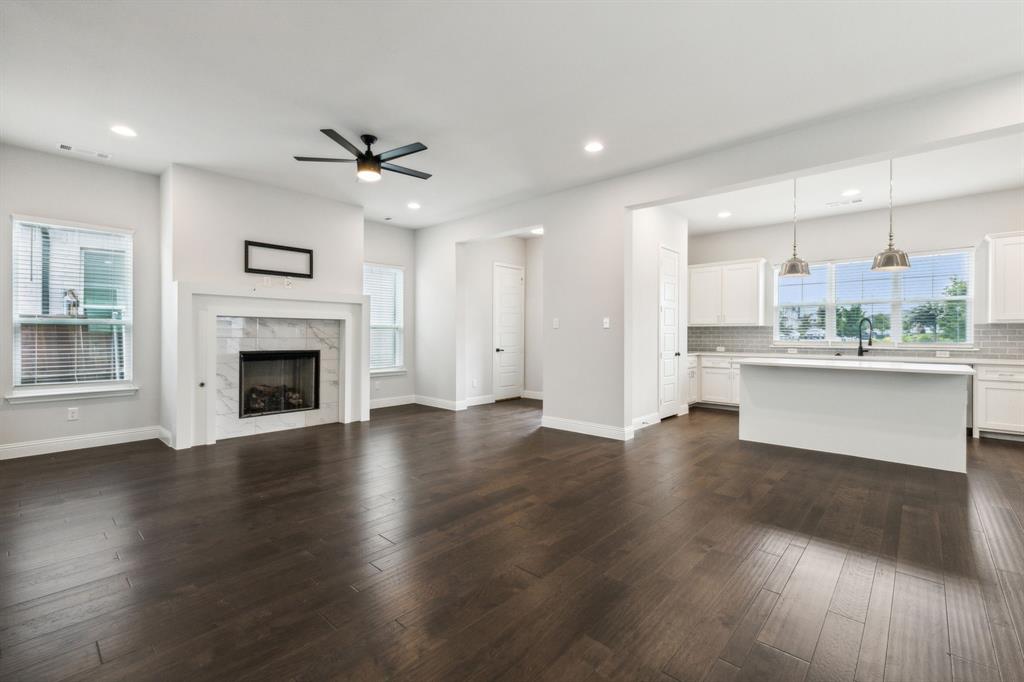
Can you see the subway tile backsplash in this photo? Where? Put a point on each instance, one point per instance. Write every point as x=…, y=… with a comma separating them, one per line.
x=1002, y=341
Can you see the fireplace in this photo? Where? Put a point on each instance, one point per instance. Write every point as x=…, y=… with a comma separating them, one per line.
x=278, y=381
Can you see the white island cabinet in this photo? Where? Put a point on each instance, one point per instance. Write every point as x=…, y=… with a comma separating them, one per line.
x=905, y=412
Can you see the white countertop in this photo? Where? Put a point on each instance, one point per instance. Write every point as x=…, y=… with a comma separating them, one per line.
x=851, y=356
x=860, y=365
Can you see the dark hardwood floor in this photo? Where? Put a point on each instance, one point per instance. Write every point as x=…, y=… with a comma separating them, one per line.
x=430, y=545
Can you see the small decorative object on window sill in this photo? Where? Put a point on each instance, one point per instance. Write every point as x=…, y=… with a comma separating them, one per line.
x=892, y=259
x=795, y=266
x=70, y=303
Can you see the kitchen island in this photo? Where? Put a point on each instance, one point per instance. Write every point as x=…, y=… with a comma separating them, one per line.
x=905, y=412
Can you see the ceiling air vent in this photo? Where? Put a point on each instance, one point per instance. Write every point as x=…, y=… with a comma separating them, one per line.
x=844, y=202
x=83, y=152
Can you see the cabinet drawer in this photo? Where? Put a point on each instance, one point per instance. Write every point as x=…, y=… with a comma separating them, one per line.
x=717, y=363
x=996, y=373
x=691, y=361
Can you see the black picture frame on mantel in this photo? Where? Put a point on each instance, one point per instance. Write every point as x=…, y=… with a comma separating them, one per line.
x=260, y=251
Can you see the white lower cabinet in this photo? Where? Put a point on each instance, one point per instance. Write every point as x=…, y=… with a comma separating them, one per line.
x=693, y=380
x=999, y=399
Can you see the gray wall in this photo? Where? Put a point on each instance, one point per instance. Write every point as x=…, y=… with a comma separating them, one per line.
x=59, y=187
x=390, y=245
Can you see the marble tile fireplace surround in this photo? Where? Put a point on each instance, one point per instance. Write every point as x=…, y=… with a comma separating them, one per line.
x=236, y=335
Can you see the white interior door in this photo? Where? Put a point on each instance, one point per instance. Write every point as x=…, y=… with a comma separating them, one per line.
x=509, y=331
x=669, y=353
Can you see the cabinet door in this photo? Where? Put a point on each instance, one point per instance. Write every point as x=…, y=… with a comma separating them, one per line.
x=705, y=295
x=716, y=385
x=1007, y=279
x=741, y=293
x=735, y=384
x=693, y=377
x=999, y=406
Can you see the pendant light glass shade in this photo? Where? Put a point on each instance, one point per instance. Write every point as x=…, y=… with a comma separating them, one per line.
x=892, y=259
x=795, y=266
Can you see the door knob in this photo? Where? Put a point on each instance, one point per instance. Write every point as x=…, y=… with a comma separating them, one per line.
x=499, y=350
x=678, y=354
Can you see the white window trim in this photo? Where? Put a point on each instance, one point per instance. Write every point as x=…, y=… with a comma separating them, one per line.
x=51, y=393
x=395, y=370
x=37, y=393
x=829, y=342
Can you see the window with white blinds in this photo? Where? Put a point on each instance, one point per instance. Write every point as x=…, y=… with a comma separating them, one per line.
x=72, y=304
x=384, y=284
x=930, y=304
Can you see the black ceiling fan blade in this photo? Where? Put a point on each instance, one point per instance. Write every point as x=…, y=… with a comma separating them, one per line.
x=320, y=158
x=342, y=141
x=402, y=151
x=405, y=171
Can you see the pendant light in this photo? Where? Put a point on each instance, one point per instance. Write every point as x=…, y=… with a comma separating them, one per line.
x=795, y=266
x=892, y=259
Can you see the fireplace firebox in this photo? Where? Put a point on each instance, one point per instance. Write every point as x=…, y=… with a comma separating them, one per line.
x=278, y=381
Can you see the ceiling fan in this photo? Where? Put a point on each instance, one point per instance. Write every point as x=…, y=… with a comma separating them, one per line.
x=368, y=164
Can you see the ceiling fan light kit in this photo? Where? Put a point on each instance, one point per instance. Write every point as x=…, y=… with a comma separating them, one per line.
x=369, y=166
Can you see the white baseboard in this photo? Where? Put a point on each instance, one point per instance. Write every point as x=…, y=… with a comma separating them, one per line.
x=431, y=401
x=479, y=400
x=589, y=428
x=645, y=420
x=46, y=446
x=166, y=437
x=392, y=402
x=534, y=395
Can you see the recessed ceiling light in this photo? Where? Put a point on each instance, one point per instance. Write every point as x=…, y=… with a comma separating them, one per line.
x=537, y=230
x=852, y=192
x=724, y=214
x=413, y=205
x=594, y=146
x=123, y=131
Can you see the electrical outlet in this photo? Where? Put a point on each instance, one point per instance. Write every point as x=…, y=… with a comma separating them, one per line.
x=72, y=414
x=476, y=383
x=719, y=349
x=376, y=385
x=942, y=353
x=267, y=282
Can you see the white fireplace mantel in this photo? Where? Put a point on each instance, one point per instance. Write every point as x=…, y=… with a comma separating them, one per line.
x=189, y=348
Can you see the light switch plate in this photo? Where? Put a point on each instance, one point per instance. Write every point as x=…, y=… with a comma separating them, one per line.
x=606, y=323
x=791, y=351
x=942, y=353
x=719, y=349
x=554, y=323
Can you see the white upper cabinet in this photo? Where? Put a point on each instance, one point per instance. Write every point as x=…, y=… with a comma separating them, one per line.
x=705, y=295
x=1006, y=277
x=728, y=293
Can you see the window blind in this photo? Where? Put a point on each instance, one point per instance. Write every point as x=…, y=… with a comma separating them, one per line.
x=932, y=303
x=384, y=285
x=72, y=304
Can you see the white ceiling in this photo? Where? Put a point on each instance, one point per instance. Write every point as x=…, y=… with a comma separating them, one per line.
x=504, y=93
x=983, y=166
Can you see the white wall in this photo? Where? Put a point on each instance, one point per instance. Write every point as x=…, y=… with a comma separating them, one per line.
x=587, y=369
x=60, y=187
x=534, y=317
x=930, y=226
x=477, y=263
x=214, y=214
x=206, y=219
x=390, y=245
x=653, y=228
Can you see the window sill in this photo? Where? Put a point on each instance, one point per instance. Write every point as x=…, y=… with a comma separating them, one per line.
x=388, y=372
x=49, y=394
x=877, y=347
